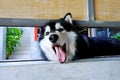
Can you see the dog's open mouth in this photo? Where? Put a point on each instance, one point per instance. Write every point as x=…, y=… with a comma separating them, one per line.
x=60, y=52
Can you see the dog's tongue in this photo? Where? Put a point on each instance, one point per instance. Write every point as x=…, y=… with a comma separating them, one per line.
x=60, y=54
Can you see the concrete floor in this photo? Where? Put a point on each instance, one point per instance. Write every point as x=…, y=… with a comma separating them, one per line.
x=80, y=70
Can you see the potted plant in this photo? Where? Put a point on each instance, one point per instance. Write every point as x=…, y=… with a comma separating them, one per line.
x=12, y=40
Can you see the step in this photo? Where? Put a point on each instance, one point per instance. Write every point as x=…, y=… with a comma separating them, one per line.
x=26, y=41
x=21, y=52
x=24, y=45
x=20, y=57
x=23, y=48
x=25, y=38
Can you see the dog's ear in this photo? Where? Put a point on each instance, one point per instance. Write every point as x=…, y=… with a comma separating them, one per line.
x=68, y=18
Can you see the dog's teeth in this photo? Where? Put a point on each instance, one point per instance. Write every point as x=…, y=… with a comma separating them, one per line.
x=56, y=50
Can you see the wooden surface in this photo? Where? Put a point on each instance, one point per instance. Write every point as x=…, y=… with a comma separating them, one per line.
x=42, y=9
x=107, y=10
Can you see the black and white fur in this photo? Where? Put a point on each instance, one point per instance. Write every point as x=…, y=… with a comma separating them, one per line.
x=77, y=45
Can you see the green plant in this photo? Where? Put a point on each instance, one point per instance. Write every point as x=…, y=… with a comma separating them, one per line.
x=116, y=36
x=12, y=40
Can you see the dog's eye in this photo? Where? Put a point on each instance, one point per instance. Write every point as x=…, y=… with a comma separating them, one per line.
x=60, y=29
x=47, y=33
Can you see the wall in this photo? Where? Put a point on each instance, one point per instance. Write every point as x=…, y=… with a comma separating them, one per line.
x=2, y=42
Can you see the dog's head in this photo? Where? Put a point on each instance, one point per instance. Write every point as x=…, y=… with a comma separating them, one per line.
x=55, y=38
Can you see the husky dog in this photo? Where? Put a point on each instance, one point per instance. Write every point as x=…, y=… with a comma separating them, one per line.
x=60, y=41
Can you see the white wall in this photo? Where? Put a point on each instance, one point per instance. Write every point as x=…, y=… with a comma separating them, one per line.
x=2, y=42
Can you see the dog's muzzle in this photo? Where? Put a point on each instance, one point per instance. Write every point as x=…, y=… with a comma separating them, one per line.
x=60, y=50
x=53, y=38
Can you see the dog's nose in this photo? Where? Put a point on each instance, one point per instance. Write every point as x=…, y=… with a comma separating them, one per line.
x=53, y=38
